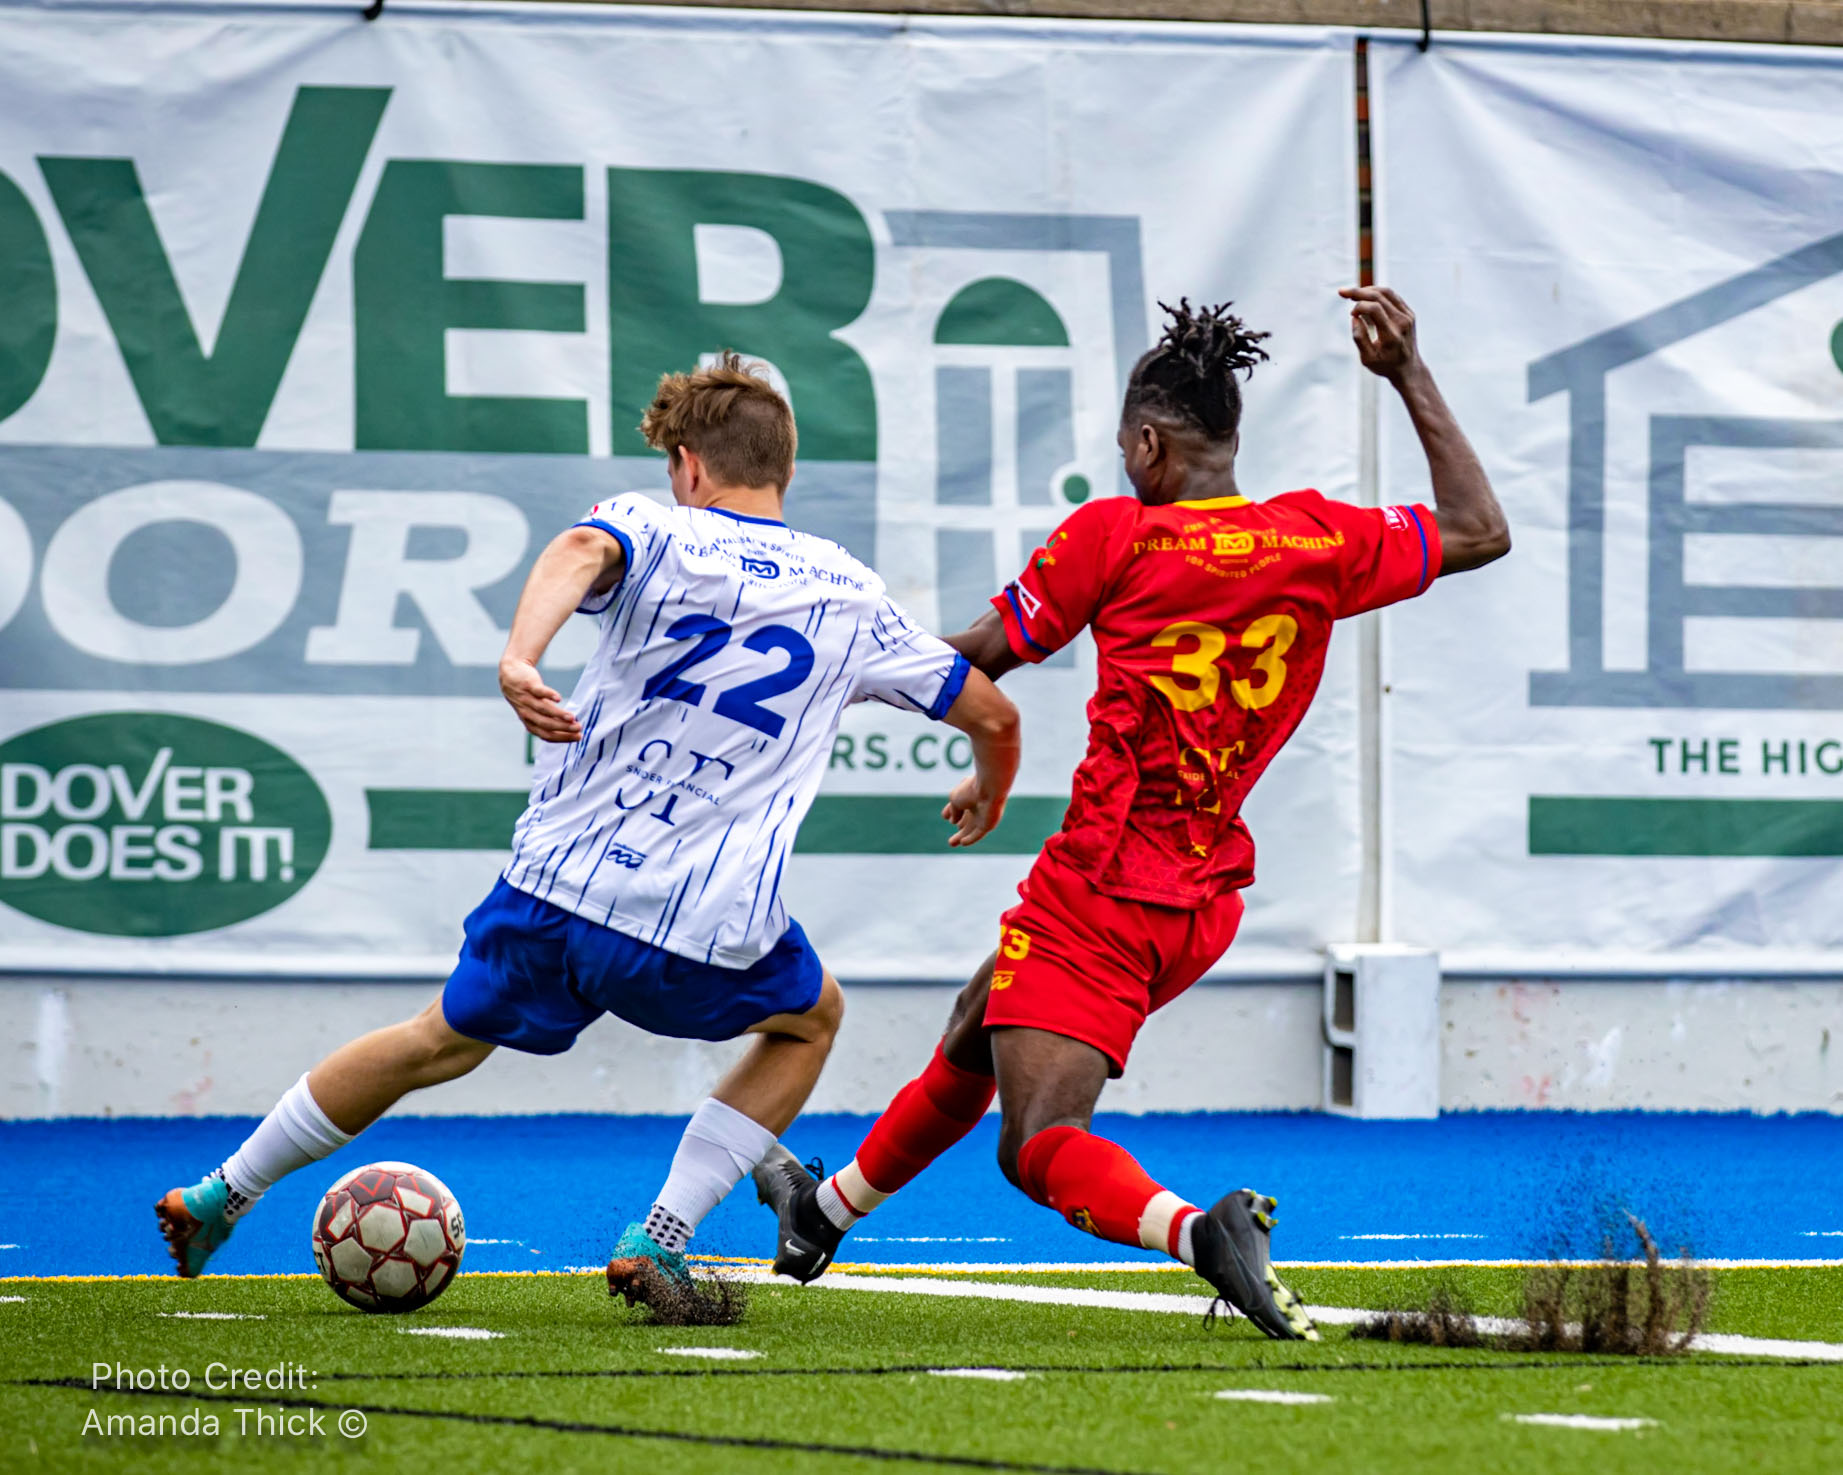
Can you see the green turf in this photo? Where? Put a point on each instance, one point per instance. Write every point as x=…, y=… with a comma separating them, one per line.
x=1805, y=1304
x=1120, y=1391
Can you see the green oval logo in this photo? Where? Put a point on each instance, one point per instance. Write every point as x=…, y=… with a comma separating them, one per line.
x=145, y=824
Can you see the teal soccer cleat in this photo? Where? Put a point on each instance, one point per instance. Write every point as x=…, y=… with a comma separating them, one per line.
x=643, y=1270
x=194, y=1223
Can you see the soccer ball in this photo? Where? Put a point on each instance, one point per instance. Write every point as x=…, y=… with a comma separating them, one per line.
x=388, y=1237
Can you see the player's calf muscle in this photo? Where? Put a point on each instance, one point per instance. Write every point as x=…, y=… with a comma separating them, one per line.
x=361, y=1080
x=1044, y=1080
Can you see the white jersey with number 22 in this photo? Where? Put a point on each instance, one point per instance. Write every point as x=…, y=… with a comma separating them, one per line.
x=728, y=652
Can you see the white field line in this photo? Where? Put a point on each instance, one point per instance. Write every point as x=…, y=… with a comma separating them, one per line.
x=1734, y=1346
x=1411, y=1236
x=936, y=1267
x=1272, y=1395
x=1531, y=1264
x=720, y=1354
x=456, y=1333
x=987, y=1291
x=12, y=1300
x=1194, y=1305
x=994, y=1374
x=214, y=1315
x=1166, y=1267
x=1582, y=1421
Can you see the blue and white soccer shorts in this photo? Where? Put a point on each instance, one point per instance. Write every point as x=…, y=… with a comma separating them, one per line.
x=533, y=976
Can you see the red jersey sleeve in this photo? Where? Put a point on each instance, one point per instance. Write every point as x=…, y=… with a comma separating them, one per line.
x=1052, y=601
x=1390, y=553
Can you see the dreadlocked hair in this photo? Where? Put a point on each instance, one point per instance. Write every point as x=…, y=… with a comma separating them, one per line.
x=1190, y=374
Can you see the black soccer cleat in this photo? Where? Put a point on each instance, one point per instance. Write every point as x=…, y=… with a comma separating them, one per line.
x=807, y=1239
x=1230, y=1243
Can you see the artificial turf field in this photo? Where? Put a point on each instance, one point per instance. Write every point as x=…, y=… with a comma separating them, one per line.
x=845, y=1381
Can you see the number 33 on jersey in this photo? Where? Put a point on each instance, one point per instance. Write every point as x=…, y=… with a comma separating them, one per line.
x=726, y=654
x=1212, y=620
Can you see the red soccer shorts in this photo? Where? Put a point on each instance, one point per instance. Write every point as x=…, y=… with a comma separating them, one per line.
x=1077, y=962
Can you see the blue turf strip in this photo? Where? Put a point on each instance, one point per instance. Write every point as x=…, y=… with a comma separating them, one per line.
x=554, y=1191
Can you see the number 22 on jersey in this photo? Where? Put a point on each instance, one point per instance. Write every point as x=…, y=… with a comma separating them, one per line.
x=739, y=703
x=1196, y=647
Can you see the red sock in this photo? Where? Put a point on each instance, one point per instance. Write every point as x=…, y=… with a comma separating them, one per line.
x=929, y=1115
x=1098, y=1186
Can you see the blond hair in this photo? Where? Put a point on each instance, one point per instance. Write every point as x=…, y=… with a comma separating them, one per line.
x=731, y=416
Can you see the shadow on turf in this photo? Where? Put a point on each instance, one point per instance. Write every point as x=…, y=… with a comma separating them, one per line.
x=1629, y=1308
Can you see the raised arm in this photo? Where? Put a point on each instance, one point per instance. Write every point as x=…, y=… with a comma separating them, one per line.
x=578, y=562
x=985, y=714
x=1472, y=526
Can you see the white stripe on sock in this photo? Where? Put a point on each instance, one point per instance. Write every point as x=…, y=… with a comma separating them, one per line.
x=833, y=1205
x=1187, y=1238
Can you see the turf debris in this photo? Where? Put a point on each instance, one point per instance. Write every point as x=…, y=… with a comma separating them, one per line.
x=1446, y=1321
x=705, y=1300
x=1639, y=1310
x=1642, y=1308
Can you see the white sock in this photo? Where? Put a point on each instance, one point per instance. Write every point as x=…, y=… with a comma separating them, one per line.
x=847, y=1196
x=291, y=1136
x=1186, y=1233
x=719, y=1147
x=666, y=1229
x=1155, y=1221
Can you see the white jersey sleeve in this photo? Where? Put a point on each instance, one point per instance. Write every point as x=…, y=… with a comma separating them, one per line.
x=727, y=653
x=908, y=667
x=625, y=519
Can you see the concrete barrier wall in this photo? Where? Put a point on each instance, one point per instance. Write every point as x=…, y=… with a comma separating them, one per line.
x=111, y=1048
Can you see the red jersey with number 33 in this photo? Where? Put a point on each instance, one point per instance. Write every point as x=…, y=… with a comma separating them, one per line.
x=1212, y=620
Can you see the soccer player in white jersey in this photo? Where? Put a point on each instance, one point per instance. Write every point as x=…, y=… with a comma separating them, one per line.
x=646, y=871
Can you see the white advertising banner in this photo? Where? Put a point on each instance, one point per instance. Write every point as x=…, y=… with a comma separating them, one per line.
x=1628, y=263
x=313, y=331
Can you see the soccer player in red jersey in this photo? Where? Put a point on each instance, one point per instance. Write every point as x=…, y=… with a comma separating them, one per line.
x=1212, y=615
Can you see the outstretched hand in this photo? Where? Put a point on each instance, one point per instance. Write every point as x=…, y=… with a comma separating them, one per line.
x=538, y=707
x=973, y=811
x=1382, y=326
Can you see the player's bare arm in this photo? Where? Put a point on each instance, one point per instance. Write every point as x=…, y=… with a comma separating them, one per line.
x=990, y=721
x=984, y=645
x=579, y=561
x=1473, y=531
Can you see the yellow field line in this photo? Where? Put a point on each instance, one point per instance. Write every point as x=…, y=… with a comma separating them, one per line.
x=868, y=1268
x=865, y=1267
